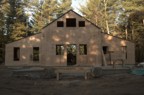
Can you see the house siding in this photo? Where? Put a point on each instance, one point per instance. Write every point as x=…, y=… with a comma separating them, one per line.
x=52, y=35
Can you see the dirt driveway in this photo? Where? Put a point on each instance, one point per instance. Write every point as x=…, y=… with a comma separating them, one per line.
x=120, y=84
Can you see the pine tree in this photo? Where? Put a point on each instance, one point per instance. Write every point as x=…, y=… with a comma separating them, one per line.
x=2, y=31
x=101, y=13
x=92, y=12
x=46, y=11
x=18, y=19
x=135, y=23
x=12, y=22
x=129, y=6
x=63, y=6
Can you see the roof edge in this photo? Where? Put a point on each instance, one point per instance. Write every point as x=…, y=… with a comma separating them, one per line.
x=62, y=16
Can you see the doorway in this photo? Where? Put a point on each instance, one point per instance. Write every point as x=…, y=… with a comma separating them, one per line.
x=71, y=54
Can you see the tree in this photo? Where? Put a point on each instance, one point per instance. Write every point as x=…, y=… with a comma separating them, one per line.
x=12, y=22
x=47, y=10
x=2, y=32
x=121, y=17
x=129, y=6
x=131, y=21
x=102, y=13
x=18, y=19
x=135, y=23
x=92, y=12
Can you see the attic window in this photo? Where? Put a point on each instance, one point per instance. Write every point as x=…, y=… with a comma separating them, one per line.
x=71, y=22
x=81, y=23
x=60, y=24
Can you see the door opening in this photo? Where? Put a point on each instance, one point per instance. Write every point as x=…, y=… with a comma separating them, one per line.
x=71, y=54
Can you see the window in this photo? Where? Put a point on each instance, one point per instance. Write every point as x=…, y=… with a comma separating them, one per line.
x=83, y=49
x=1, y=45
x=60, y=24
x=35, y=53
x=105, y=49
x=59, y=49
x=124, y=50
x=16, y=53
x=81, y=23
x=71, y=22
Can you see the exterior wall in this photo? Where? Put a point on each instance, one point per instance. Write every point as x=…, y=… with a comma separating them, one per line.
x=72, y=35
x=52, y=35
x=26, y=50
x=115, y=46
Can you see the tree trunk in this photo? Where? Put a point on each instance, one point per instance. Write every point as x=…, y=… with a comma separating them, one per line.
x=126, y=33
x=107, y=27
x=132, y=35
x=106, y=21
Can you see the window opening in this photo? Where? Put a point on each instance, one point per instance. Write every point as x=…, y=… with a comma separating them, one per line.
x=105, y=49
x=60, y=24
x=35, y=53
x=71, y=22
x=81, y=23
x=59, y=49
x=16, y=53
x=83, y=49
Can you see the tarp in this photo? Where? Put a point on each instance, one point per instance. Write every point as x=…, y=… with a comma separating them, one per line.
x=139, y=71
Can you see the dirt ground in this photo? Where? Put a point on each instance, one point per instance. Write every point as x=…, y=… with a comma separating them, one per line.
x=120, y=84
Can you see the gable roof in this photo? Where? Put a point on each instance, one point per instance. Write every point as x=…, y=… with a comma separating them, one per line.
x=68, y=12
x=62, y=16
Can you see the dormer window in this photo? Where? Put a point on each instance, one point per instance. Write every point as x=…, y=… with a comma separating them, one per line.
x=81, y=23
x=71, y=22
x=60, y=24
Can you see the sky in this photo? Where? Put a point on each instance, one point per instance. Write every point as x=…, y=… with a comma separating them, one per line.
x=76, y=4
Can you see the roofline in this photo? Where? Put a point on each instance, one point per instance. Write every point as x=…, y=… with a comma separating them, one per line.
x=117, y=37
x=23, y=38
x=62, y=16
x=43, y=27
x=75, y=13
x=88, y=21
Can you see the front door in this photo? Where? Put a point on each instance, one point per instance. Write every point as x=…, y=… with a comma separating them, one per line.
x=71, y=54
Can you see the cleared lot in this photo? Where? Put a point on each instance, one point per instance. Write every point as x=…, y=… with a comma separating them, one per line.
x=118, y=84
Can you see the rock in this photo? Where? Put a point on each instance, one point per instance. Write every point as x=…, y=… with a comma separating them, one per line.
x=97, y=72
